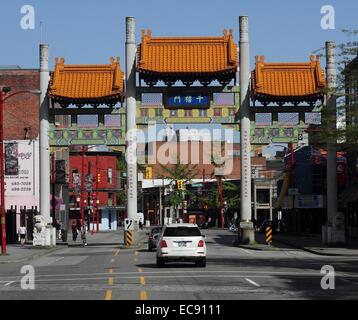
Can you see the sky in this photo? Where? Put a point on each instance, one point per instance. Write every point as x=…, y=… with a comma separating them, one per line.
x=91, y=31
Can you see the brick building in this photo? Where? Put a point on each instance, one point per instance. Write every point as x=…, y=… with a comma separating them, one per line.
x=21, y=112
x=21, y=133
x=102, y=183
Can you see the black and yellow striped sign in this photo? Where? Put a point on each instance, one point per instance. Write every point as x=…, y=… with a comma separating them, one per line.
x=129, y=238
x=269, y=236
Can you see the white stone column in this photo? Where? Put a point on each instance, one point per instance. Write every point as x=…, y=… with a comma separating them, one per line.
x=131, y=109
x=248, y=233
x=45, y=171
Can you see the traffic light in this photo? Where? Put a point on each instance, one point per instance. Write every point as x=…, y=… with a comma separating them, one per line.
x=180, y=185
x=149, y=173
x=60, y=171
x=98, y=177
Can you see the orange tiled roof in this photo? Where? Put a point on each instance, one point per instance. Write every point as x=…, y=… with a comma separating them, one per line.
x=288, y=81
x=187, y=55
x=87, y=84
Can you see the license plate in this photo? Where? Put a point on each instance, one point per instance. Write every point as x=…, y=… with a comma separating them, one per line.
x=182, y=244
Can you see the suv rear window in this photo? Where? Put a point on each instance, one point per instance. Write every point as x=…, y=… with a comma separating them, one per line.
x=182, y=232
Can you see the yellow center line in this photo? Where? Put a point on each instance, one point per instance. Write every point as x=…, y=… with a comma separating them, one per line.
x=143, y=295
x=140, y=270
x=117, y=253
x=136, y=260
x=108, y=295
x=136, y=253
x=110, y=281
x=110, y=271
x=142, y=281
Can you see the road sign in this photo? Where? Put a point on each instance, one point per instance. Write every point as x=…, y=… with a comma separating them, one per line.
x=129, y=224
x=269, y=235
x=129, y=238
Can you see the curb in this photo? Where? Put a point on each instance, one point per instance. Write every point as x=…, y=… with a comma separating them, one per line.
x=314, y=251
x=272, y=248
x=32, y=257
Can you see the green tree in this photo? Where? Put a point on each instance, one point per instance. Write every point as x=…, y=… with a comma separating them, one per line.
x=344, y=135
x=175, y=173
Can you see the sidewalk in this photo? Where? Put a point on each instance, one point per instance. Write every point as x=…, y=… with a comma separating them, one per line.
x=108, y=238
x=16, y=253
x=313, y=244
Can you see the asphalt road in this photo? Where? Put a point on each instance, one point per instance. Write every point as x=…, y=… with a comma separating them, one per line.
x=232, y=273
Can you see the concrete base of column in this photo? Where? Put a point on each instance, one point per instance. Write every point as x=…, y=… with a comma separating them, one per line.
x=247, y=235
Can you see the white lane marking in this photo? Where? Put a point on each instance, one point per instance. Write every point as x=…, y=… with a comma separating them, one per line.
x=220, y=272
x=172, y=277
x=252, y=282
x=246, y=251
x=9, y=283
x=61, y=258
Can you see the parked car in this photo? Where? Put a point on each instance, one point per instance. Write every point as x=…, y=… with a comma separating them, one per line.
x=181, y=242
x=154, y=236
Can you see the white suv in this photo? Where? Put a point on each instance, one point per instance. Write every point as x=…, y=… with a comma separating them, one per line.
x=181, y=242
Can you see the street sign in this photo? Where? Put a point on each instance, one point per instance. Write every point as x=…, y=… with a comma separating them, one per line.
x=129, y=225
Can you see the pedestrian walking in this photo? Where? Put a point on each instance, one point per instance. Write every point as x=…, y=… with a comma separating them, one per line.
x=74, y=232
x=22, y=232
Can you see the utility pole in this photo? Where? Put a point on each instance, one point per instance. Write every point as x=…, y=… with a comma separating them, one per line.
x=53, y=178
x=2, y=176
x=248, y=231
x=334, y=231
x=83, y=187
x=97, y=196
x=131, y=152
x=221, y=202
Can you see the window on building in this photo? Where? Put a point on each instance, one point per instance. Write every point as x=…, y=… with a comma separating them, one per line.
x=62, y=121
x=110, y=199
x=87, y=120
x=113, y=120
x=217, y=112
x=74, y=171
x=110, y=176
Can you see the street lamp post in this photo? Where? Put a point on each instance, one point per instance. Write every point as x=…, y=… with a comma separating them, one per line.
x=3, y=98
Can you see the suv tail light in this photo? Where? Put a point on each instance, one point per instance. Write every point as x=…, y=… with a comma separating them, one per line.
x=163, y=244
x=201, y=244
